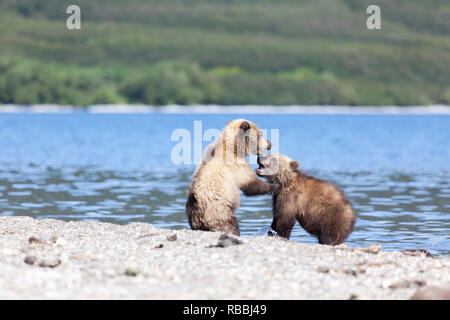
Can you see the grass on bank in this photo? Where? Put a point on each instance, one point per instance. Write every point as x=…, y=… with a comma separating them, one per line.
x=225, y=52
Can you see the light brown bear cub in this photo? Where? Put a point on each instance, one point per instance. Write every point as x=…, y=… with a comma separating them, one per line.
x=320, y=207
x=214, y=190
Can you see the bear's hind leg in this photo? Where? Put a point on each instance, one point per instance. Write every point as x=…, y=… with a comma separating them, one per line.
x=330, y=239
x=283, y=224
x=194, y=213
x=228, y=226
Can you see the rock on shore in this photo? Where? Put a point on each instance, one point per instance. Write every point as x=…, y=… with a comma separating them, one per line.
x=52, y=259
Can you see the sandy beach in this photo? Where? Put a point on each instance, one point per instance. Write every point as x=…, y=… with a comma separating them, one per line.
x=52, y=259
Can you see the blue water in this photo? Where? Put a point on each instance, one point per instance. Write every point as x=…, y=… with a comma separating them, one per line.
x=118, y=168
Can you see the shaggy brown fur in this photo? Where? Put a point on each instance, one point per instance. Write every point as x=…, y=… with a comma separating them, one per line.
x=214, y=190
x=320, y=207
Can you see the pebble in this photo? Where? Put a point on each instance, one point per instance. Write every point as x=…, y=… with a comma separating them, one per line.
x=432, y=293
x=323, y=269
x=227, y=241
x=172, y=237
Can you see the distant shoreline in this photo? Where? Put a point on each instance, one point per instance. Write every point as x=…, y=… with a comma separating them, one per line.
x=232, y=109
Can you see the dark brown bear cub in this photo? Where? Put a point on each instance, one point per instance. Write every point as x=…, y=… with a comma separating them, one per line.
x=319, y=206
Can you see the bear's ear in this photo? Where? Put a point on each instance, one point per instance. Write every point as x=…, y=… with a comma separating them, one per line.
x=294, y=165
x=244, y=126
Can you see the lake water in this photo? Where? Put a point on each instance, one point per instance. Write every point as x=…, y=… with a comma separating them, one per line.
x=118, y=168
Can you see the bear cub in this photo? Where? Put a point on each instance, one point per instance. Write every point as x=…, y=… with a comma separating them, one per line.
x=224, y=171
x=320, y=207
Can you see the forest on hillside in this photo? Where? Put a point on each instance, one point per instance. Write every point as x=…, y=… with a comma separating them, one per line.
x=309, y=52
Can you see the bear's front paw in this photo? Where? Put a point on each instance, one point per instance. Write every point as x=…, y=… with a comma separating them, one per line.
x=275, y=187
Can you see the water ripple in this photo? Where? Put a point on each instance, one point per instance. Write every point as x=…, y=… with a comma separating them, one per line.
x=403, y=204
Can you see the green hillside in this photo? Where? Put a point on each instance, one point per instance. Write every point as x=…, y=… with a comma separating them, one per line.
x=225, y=52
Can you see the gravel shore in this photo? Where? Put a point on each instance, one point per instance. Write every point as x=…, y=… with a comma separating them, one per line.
x=52, y=259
